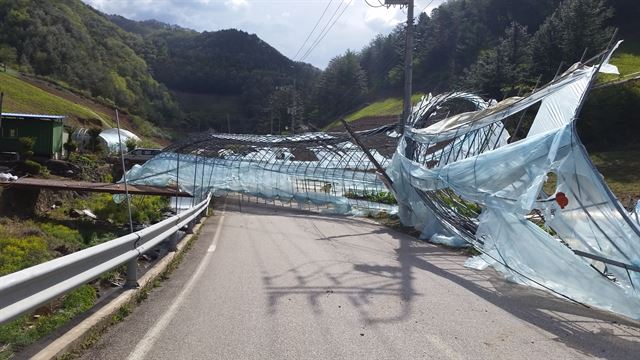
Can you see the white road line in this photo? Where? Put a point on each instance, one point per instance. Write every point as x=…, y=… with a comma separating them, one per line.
x=152, y=335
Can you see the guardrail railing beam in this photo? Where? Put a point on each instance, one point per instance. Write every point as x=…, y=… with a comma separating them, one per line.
x=29, y=288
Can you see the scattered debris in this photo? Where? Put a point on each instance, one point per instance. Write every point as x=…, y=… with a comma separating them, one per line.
x=90, y=214
x=7, y=177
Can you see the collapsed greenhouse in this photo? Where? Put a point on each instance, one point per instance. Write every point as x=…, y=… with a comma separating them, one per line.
x=510, y=178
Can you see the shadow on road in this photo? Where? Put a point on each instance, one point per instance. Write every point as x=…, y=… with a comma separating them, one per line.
x=392, y=273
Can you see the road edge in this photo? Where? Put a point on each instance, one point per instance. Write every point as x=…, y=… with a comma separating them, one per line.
x=96, y=323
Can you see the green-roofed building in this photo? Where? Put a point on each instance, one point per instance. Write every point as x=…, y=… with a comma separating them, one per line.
x=48, y=130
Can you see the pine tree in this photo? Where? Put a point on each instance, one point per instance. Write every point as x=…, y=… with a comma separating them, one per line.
x=576, y=26
x=501, y=71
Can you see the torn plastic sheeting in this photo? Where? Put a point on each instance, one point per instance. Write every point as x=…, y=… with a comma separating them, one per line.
x=559, y=109
x=5, y=177
x=509, y=177
x=469, y=145
x=508, y=180
x=427, y=135
x=525, y=247
x=306, y=182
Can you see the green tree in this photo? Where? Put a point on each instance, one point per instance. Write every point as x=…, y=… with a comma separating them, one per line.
x=26, y=147
x=503, y=70
x=131, y=144
x=94, y=138
x=342, y=85
x=576, y=26
x=8, y=54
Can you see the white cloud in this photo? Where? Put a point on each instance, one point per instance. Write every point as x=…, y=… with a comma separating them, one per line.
x=284, y=24
x=236, y=5
x=382, y=18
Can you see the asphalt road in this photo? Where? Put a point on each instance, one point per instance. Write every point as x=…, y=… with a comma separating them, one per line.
x=272, y=283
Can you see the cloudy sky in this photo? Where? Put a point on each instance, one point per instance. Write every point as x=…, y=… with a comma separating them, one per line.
x=285, y=24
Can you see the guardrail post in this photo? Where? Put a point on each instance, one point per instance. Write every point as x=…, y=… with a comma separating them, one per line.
x=172, y=242
x=190, y=226
x=132, y=274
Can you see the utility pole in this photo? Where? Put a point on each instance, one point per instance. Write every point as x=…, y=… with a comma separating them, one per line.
x=408, y=61
x=271, y=117
x=293, y=109
x=228, y=124
x=1, y=98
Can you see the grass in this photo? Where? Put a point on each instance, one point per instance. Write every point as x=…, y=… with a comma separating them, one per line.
x=627, y=58
x=382, y=197
x=23, y=97
x=386, y=107
x=148, y=131
x=25, y=243
x=28, y=329
x=621, y=170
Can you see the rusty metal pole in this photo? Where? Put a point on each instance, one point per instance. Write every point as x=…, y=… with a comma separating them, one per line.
x=132, y=265
x=384, y=177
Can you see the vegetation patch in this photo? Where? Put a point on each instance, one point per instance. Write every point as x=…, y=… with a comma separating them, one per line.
x=23, y=97
x=382, y=197
x=386, y=107
x=28, y=329
x=621, y=170
x=627, y=58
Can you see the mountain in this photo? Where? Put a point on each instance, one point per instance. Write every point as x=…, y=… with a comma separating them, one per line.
x=230, y=80
x=215, y=75
x=67, y=41
x=166, y=74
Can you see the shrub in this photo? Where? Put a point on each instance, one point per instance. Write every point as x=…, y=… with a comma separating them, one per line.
x=131, y=144
x=32, y=167
x=25, y=330
x=70, y=147
x=94, y=141
x=61, y=238
x=17, y=253
x=382, y=197
x=144, y=209
x=26, y=146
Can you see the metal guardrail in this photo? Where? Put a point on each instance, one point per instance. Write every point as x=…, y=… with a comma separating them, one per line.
x=29, y=288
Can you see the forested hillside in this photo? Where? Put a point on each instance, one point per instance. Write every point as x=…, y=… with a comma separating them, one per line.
x=232, y=80
x=172, y=76
x=219, y=74
x=496, y=48
x=69, y=42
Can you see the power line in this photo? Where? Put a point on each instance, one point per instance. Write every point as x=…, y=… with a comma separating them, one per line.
x=313, y=30
x=425, y=8
x=327, y=31
x=374, y=6
x=324, y=29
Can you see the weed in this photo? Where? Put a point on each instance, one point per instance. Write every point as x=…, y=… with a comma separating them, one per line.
x=382, y=197
x=27, y=329
x=121, y=314
x=17, y=253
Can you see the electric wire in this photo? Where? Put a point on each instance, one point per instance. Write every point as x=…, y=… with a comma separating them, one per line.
x=374, y=6
x=313, y=30
x=425, y=8
x=304, y=55
x=327, y=31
